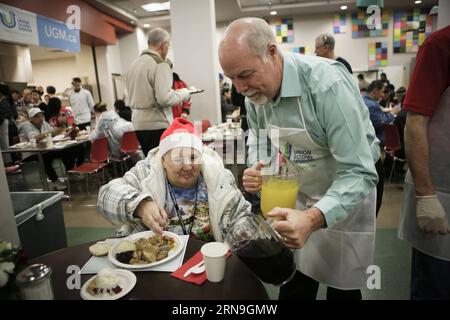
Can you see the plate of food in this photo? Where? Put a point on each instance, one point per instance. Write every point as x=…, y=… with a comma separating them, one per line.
x=60, y=137
x=108, y=284
x=21, y=145
x=145, y=249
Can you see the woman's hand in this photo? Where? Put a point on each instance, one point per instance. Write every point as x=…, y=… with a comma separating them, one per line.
x=251, y=179
x=152, y=215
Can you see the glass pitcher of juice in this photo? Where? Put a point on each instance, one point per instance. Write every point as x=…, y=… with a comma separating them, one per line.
x=279, y=190
x=253, y=240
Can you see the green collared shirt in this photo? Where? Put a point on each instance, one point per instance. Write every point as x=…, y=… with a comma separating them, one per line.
x=336, y=118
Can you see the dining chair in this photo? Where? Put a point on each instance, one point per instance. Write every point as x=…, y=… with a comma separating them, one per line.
x=129, y=148
x=99, y=160
x=392, y=144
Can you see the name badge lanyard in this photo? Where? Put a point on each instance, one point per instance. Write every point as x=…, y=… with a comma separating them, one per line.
x=178, y=211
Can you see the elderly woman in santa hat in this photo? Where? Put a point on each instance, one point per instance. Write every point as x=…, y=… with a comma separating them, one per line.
x=182, y=186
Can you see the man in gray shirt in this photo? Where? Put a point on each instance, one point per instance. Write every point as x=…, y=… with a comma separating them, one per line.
x=149, y=91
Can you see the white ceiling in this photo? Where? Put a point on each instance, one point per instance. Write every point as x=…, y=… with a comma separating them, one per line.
x=228, y=10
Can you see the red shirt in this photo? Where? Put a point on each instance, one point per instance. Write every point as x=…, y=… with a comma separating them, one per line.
x=431, y=75
x=178, y=109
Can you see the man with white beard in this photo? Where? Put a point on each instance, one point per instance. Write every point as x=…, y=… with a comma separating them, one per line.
x=315, y=117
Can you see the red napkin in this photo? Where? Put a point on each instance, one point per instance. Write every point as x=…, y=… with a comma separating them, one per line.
x=197, y=279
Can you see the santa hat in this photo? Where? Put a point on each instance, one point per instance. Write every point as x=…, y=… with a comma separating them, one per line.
x=180, y=133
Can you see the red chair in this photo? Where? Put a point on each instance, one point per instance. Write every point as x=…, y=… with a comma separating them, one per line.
x=205, y=125
x=99, y=160
x=12, y=169
x=129, y=148
x=392, y=144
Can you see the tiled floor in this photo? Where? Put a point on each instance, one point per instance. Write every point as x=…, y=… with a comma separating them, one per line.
x=84, y=223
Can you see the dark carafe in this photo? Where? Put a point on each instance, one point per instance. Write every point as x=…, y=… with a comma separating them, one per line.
x=271, y=262
x=254, y=241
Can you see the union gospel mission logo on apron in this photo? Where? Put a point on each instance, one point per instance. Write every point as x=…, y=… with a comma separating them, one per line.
x=297, y=155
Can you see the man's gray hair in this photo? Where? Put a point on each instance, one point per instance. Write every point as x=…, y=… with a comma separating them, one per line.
x=326, y=39
x=156, y=36
x=258, y=35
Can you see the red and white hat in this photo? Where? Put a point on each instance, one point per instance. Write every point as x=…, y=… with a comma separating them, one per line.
x=180, y=133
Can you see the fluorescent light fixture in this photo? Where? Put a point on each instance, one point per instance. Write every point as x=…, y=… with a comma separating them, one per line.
x=418, y=2
x=146, y=25
x=153, y=7
x=343, y=7
x=273, y=13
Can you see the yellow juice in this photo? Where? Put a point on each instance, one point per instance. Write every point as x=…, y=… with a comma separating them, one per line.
x=278, y=193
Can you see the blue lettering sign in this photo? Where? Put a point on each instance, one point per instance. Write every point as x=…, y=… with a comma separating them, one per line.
x=54, y=34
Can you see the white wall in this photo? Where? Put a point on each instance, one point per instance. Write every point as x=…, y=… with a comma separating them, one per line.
x=444, y=13
x=195, y=54
x=108, y=62
x=130, y=46
x=86, y=70
x=55, y=72
x=355, y=51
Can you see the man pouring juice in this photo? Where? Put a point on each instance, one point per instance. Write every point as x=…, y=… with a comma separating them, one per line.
x=311, y=111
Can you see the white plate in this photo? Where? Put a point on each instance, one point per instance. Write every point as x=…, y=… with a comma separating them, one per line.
x=146, y=234
x=60, y=137
x=21, y=145
x=127, y=282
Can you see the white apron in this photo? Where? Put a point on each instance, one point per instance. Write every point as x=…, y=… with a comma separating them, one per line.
x=337, y=256
x=437, y=246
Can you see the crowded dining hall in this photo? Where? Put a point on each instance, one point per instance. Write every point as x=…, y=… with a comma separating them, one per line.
x=266, y=150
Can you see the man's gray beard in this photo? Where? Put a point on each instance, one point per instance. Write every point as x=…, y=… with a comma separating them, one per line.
x=262, y=99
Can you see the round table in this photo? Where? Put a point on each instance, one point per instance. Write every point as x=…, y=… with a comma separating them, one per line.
x=239, y=282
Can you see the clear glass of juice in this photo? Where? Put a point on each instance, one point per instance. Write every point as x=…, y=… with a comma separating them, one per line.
x=279, y=190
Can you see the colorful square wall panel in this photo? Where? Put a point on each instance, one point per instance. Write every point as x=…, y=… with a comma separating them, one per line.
x=284, y=29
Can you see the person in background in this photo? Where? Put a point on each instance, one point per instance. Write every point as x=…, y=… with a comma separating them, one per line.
x=238, y=100
x=82, y=103
x=150, y=94
x=122, y=110
x=110, y=124
x=377, y=116
x=226, y=105
x=52, y=112
x=324, y=48
x=425, y=213
x=35, y=98
x=220, y=81
x=181, y=109
x=23, y=105
x=15, y=94
x=384, y=79
x=387, y=97
x=37, y=128
x=26, y=101
x=319, y=121
x=182, y=186
x=399, y=97
x=362, y=83
x=40, y=90
x=46, y=99
x=6, y=119
x=51, y=91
